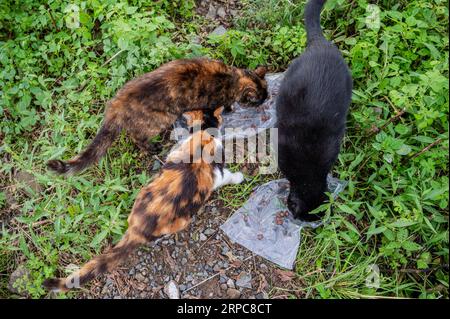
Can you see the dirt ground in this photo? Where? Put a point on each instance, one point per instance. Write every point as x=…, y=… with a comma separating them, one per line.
x=201, y=262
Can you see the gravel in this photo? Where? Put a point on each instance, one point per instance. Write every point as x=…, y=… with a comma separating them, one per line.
x=233, y=293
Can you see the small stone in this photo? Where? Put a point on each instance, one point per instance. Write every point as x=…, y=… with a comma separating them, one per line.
x=117, y=297
x=209, y=231
x=221, y=12
x=156, y=166
x=196, y=39
x=223, y=286
x=263, y=267
x=171, y=290
x=230, y=283
x=19, y=279
x=184, y=261
x=233, y=13
x=108, y=282
x=139, y=277
x=262, y=295
x=233, y=293
x=203, y=237
x=167, y=278
x=244, y=280
x=211, y=12
x=220, y=30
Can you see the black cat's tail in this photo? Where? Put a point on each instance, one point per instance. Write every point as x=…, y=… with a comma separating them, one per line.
x=98, y=147
x=312, y=19
x=95, y=266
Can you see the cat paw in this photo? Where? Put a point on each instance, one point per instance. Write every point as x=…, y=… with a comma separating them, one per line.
x=237, y=178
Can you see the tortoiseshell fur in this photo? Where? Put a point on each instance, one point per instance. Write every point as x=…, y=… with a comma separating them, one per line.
x=165, y=206
x=152, y=102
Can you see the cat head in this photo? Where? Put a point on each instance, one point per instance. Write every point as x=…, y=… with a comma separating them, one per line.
x=252, y=87
x=300, y=206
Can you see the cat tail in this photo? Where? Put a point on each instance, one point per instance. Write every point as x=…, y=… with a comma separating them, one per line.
x=312, y=19
x=96, y=266
x=102, y=141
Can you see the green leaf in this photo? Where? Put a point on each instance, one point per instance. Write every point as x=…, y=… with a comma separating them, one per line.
x=404, y=150
x=402, y=223
x=347, y=209
x=375, y=231
x=99, y=238
x=411, y=246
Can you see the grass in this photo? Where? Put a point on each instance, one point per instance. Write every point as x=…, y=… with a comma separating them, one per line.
x=55, y=81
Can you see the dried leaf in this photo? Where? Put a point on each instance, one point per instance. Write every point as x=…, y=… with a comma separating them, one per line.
x=285, y=275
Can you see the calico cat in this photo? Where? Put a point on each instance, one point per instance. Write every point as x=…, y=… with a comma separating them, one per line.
x=311, y=109
x=152, y=102
x=165, y=206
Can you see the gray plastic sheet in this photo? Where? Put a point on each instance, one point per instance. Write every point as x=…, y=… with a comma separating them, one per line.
x=258, y=227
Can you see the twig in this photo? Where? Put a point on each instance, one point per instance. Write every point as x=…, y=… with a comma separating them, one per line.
x=112, y=58
x=211, y=277
x=207, y=240
x=417, y=271
x=51, y=16
x=376, y=130
x=107, y=61
x=41, y=222
x=426, y=148
x=158, y=159
x=390, y=103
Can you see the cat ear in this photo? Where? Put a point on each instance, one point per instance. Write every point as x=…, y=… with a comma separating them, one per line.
x=261, y=71
x=218, y=112
x=192, y=116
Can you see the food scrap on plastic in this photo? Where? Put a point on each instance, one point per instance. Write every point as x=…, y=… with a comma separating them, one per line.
x=265, y=226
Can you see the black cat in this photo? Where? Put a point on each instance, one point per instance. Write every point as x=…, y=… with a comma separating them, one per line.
x=312, y=109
